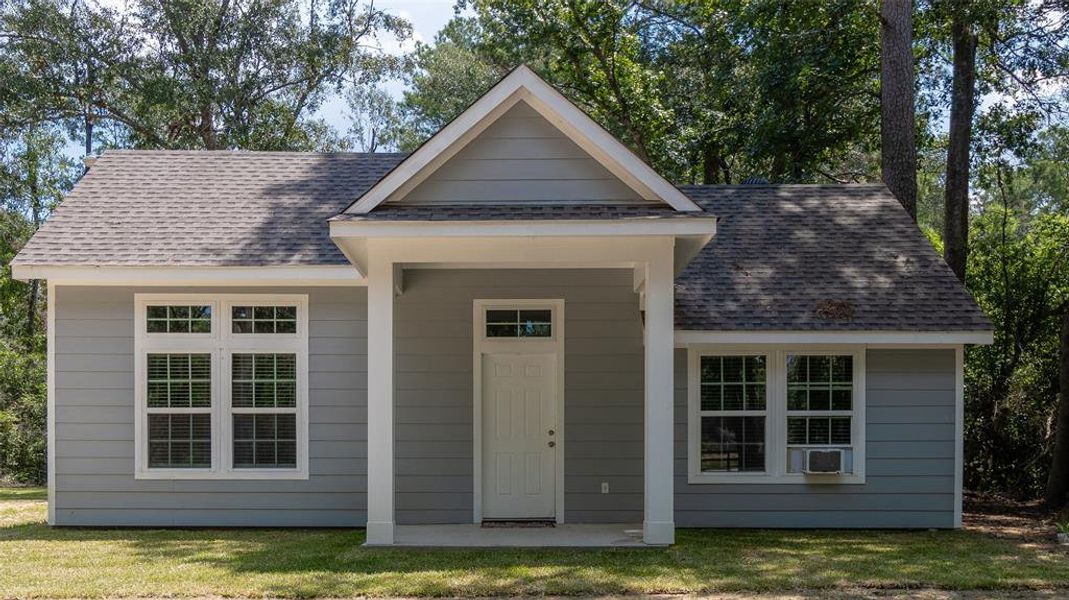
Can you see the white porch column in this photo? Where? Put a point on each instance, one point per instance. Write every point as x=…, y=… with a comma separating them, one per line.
x=380, y=439
x=658, y=525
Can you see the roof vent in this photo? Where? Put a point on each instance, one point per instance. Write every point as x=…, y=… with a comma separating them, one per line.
x=756, y=180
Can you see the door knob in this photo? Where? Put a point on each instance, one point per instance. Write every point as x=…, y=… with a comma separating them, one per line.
x=552, y=444
x=551, y=432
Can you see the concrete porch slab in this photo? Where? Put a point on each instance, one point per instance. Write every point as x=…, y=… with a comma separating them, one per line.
x=561, y=536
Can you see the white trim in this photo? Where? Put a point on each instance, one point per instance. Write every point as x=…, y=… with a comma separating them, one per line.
x=904, y=339
x=776, y=409
x=380, y=399
x=658, y=446
x=162, y=275
x=50, y=353
x=483, y=345
x=522, y=84
x=220, y=344
x=691, y=226
x=959, y=431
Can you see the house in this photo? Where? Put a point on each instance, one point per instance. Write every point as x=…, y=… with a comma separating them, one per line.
x=518, y=321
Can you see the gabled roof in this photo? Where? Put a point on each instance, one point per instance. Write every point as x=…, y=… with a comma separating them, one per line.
x=523, y=85
x=199, y=208
x=782, y=254
x=818, y=257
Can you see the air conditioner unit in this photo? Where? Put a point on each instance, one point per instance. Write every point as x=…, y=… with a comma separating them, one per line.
x=823, y=461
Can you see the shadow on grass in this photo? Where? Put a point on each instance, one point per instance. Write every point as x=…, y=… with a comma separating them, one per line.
x=22, y=494
x=310, y=563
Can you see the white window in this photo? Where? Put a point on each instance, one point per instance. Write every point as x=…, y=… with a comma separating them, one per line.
x=221, y=386
x=755, y=413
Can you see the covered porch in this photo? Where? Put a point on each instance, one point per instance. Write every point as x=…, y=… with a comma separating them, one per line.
x=436, y=476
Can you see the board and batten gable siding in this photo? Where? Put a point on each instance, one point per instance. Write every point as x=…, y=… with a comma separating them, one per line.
x=909, y=479
x=521, y=158
x=603, y=358
x=94, y=397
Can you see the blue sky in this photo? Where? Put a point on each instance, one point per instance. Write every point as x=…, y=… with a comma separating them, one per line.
x=427, y=18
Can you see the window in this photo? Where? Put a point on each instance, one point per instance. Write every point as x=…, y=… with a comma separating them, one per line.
x=753, y=414
x=179, y=319
x=227, y=399
x=733, y=417
x=179, y=402
x=524, y=323
x=264, y=319
x=264, y=402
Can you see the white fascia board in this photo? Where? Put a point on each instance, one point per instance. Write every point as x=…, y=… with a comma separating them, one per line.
x=523, y=84
x=704, y=227
x=309, y=275
x=904, y=339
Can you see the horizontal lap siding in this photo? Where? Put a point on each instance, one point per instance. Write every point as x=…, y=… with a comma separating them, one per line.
x=909, y=479
x=434, y=393
x=521, y=158
x=95, y=423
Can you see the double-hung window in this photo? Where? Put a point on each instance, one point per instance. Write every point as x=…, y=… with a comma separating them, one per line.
x=221, y=386
x=755, y=413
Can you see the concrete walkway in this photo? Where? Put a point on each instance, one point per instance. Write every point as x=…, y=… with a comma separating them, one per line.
x=560, y=536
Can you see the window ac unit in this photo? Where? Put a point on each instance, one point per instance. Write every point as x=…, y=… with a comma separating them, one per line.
x=824, y=461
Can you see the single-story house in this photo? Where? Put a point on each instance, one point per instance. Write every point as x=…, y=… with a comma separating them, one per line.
x=518, y=321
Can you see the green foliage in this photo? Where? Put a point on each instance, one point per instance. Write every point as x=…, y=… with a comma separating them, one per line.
x=704, y=91
x=1019, y=273
x=23, y=395
x=189, y=73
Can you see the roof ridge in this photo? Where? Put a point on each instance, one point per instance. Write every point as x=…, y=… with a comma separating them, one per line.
x=239, y=152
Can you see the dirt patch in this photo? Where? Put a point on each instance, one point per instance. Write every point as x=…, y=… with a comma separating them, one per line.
x=1003, y=518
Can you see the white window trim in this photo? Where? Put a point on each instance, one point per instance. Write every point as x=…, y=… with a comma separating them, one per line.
x=220, y=343
x=776, y=411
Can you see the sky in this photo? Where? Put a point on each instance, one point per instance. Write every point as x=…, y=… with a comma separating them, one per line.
x=427, y=18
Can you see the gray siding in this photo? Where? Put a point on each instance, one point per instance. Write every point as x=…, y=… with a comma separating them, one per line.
x=95, y=423
x=909, y=480
x=603, y=390
x=521, y=158
x=910, y=428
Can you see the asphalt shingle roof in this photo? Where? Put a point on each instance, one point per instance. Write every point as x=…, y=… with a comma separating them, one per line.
x=784, y=258
x=144, y=208
x=808, y=257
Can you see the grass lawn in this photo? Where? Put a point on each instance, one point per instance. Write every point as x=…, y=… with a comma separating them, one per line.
x=39, y=562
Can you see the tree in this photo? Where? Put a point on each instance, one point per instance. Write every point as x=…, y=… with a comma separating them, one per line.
x=962, y=106
x=898, y=147
x=192, y=73
x=34, y=175
x=1057, y=492
x=704, y=91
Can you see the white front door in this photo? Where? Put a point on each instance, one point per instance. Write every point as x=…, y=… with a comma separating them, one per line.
x=519, y=429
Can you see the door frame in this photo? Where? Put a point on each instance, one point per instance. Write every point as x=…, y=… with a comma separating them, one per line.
x=482, y=345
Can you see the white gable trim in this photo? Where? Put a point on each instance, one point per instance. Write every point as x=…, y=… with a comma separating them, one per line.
x=523, y=84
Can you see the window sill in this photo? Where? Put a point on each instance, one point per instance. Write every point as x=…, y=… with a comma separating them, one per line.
x=176, y=474
x=768, y=478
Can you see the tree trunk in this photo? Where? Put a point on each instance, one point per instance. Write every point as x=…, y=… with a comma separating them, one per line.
x=956, y=209
x=711, y=164
x=35, y=214
x=898, y=147
x=1058, y=478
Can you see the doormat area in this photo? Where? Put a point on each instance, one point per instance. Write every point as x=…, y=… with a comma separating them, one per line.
x=517, y=524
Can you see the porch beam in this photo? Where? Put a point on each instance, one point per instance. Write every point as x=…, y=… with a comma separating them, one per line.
x=658, y=526
x=380, y=388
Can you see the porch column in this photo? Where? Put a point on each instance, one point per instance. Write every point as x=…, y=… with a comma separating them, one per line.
x=380, y=294
x=658, y=526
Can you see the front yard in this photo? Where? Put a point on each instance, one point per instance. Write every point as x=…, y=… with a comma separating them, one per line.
x=39, y=562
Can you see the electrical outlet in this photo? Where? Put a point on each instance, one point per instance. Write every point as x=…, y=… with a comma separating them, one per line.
x=604, y=487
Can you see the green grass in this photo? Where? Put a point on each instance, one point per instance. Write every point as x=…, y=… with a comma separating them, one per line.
x=40, y=562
